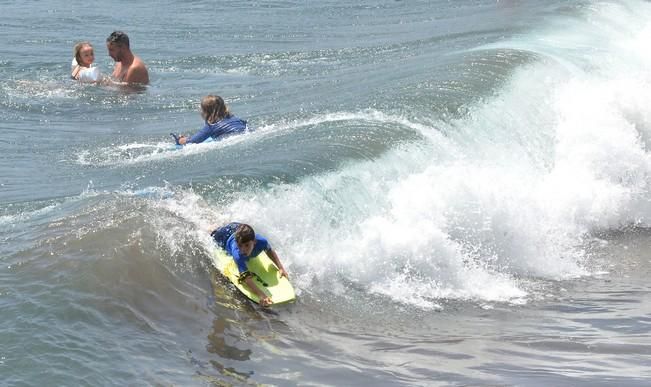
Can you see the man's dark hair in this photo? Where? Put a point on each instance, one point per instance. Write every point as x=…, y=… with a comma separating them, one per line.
x=119, y=38
x=244, y=233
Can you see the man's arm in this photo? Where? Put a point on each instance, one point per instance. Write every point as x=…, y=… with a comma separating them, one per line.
x=117, y=69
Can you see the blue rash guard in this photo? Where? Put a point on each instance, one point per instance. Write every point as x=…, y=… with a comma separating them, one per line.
x=225, y=238
x=226, y=126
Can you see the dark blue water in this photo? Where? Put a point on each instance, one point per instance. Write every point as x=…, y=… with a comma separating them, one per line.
x=459, y=190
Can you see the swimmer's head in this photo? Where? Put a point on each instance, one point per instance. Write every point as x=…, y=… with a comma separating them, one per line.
x=119, y=38
x=84, y=54
x=117, y=43
x=213, y=109
x=245, y=238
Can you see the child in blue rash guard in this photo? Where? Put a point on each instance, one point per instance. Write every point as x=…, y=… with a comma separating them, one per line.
x=242, y=243
x=218, y=121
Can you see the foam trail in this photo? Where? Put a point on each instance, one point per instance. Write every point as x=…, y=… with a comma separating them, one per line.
x=143, y=152
x=26, y=215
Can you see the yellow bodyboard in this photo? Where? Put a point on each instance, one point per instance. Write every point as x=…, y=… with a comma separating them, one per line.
x=265, y=273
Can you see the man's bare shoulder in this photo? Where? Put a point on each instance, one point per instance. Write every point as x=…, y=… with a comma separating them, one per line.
x=137, y=72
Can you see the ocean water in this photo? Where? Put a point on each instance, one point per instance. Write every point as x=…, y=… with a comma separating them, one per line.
x=460, y=191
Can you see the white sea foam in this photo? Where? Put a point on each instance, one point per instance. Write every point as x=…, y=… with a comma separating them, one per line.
x=513, y=192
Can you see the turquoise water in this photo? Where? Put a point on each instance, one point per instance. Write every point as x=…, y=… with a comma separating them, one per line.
x=459, y=190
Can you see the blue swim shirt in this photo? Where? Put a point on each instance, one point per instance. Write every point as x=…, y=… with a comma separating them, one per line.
x=261, y=244
x=227, y=126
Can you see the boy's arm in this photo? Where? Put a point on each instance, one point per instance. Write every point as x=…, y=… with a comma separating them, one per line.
x=264, y=299
x=274, y=257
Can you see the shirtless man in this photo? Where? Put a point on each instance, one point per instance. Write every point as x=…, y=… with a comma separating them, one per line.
x=128, y=67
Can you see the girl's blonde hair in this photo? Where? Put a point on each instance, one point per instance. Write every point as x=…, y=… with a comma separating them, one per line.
x=76, y=51
x=214, y=108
